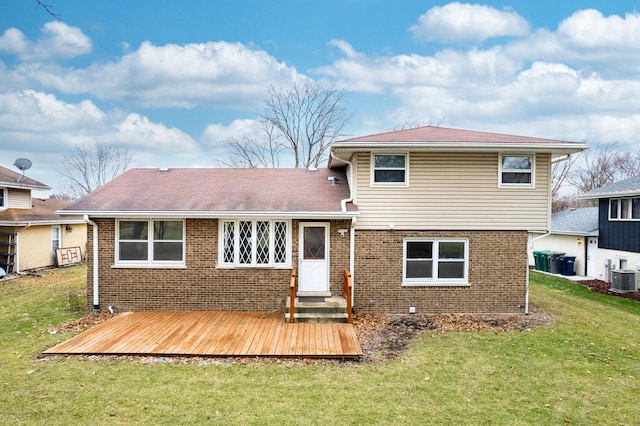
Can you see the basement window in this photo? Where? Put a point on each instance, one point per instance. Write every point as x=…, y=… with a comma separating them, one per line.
x=435, y=261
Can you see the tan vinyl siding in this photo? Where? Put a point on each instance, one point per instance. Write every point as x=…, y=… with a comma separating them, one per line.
x=19, y=199
x=453, y=192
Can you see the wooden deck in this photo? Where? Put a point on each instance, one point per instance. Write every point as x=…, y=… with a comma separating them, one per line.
x=215, y=334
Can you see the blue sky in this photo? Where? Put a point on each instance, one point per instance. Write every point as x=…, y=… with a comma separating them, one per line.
x=172, y=80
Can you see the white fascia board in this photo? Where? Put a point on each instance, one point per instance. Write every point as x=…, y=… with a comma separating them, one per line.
x=556, y=149
x=211, y=214
x=609, y=195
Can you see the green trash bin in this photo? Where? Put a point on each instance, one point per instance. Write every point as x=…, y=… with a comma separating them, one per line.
x=537, y=257
x=544, y=260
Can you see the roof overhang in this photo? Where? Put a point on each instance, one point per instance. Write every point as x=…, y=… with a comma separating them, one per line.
x=345, y=150
x=617, y=194
x=18, y=185
x=61, y=221
x=211, y=214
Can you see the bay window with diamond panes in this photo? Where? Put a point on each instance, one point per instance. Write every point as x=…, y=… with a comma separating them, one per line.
x=254, y=243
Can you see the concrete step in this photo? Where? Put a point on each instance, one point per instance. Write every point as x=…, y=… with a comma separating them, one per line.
x=318, y=318
x=318, y=310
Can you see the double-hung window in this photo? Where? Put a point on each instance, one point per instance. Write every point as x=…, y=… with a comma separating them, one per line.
x=624, y=209
x=150, y=242
x=3, y=198
x=516, y=171
x=254, y=243
x=389, y=169
x=435, y=261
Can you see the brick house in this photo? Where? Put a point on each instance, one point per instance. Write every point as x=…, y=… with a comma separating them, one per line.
x=427, y=220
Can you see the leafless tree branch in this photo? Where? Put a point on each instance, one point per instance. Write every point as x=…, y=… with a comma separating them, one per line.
x=88, y=167
x=48, y=8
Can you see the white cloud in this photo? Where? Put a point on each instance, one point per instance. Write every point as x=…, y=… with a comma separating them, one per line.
x=58, y=40
x=40, y=121
x=589, y=29
x=219, y=133
x=462, y=22
x=13, y=41
x=220, y=74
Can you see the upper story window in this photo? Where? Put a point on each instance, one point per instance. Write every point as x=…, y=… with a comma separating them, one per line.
x=624, y=209
x=3, y=198
x=389, y=169
x=257, y=243
x=516, y=171
x=150, y=242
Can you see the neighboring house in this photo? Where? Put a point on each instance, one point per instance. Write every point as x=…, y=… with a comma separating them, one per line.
x=30, y=229
x=573, y=232
x=619, y=225
x=427, y=220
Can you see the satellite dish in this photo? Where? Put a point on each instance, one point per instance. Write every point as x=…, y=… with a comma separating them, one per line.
x=23, y=164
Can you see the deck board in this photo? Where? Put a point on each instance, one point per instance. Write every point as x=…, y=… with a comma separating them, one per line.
x=217, y=334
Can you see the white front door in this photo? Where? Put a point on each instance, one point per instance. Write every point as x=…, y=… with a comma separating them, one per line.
x=592, y=257
x=55, y=242
x=313, y=275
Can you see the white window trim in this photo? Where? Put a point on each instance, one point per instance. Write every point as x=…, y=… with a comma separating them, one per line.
x=531, y=185
x=443, y=282
x=236, y=243
x=619, y=217
x=149, y=263
x=5, y=194
x=392, y=184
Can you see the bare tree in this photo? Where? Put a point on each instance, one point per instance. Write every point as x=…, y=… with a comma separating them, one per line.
x=88, y=167
x=309, y=117
x=48, y=8
x=252, y=153
x=601, y=165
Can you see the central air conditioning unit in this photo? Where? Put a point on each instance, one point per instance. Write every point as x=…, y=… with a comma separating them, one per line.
x=623, y=281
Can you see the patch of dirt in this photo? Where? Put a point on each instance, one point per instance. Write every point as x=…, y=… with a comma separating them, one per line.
x=602, y=287
x=80, y=324
x=386, y=337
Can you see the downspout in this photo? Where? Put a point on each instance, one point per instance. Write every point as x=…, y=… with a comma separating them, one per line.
x=352, y=230
x=529, y=246
x=96, y=287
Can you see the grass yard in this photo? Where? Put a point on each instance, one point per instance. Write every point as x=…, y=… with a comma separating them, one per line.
x=584, y=368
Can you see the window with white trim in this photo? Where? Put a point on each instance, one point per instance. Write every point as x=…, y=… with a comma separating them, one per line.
x=516, y=171
x=624, y=209
x=389, y=169
x=3, y=198
x=150, y=241
x=256, y=243
x=435, y=261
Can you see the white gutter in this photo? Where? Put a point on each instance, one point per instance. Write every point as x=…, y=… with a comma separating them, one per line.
x=526, y=297
x=352, y=229
x=96, y=287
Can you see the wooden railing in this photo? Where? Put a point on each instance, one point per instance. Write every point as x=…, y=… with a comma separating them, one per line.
x=292, y=294
x=348, y=284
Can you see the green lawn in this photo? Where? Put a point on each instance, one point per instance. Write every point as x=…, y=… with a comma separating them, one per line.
x=582, y=369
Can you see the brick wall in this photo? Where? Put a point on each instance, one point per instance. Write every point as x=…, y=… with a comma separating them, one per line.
x=201, y=286
x=497, y=275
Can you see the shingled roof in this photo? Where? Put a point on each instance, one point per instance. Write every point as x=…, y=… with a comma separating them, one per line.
x=215, y=192
x=11, y=179
x=625, y=188
x=433, y=138
x=43, y=211
x=581, y=221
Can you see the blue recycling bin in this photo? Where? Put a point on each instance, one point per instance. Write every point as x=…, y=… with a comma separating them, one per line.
x=568, y=265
